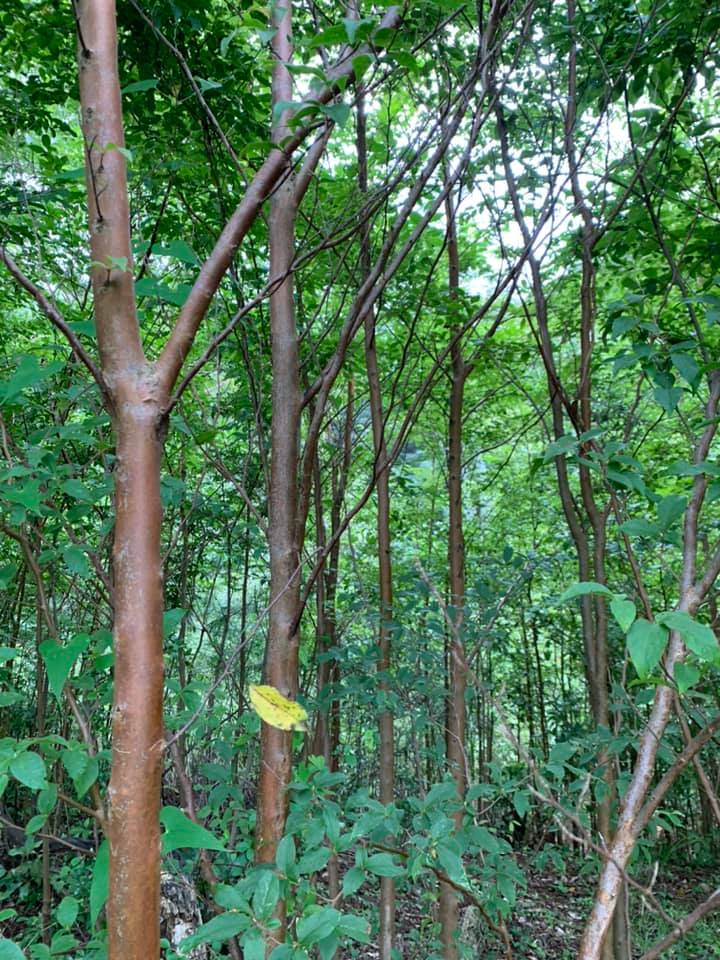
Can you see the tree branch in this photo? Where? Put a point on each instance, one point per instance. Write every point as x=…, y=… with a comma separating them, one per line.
x=55, y=317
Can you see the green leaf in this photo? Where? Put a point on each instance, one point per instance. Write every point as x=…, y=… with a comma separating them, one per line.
x=622, y=325
x=561, y=447
x=140, y=86
x=35, y=823
x=87, y=778
x=179, y=250
x=10, y=950
x=646, y=645
x=29, y=373
x=206, y=85
x=283, y=951
x=353, y=27
x=624, y=612
x=685, y=675
x=181, y=832
x=47, y=799
x=78, y=490
x=441, y=793
x=353, y=880
x=327, y=947
x=360, y=64
x=670, y=509
x=230, y=898
x=337, y=112
x=266, y=894
x=253, y=945
x=60, y=658
x=521, y=802
x=286, y=854
x=313, y=860
x=383, y=865
x=357, y=928
x=99, y=883
x=172, y=620
x=265, y=36
x=29, y=769
x=698, y=637
x=149, y=287
x=67, y=911
x=217, y=930
x=332, y=35
x=8, y=697
x=317, y=926
x=686, y=367
x=582, y=589
x=75, y=762
x=451, y=862
x=639, y=528
x=62, y=943
x=683, y=468
x=668, y=397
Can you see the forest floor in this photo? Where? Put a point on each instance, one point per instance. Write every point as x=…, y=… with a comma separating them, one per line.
x=550, y=914
x=548, y=918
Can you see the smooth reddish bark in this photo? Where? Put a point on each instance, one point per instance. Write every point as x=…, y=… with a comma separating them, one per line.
x=136, y=403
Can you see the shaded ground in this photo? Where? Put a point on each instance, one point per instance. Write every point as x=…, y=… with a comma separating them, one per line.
x=549, y=916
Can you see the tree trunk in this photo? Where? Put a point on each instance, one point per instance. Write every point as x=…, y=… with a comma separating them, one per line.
x=457, y=665
x=385, y=716
x=281, y=654
x=136, y=403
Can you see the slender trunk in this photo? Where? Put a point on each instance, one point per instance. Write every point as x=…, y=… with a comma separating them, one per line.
x=325, y=736
x=457, y=665
x=242, y=666
x=541, y=688
x=281, y=654
x=41, y=687
x=385, y=717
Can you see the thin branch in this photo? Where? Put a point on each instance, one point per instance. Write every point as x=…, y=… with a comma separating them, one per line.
x=683, y=926
x=180, y=341
x=55, y=317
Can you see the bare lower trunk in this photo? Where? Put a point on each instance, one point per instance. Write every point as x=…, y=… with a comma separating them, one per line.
x=134, y=790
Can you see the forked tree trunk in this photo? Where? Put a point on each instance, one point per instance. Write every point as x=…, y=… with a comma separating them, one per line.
x=136, y=402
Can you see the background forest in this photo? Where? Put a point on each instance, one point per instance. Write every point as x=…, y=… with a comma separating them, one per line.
x=370, y=354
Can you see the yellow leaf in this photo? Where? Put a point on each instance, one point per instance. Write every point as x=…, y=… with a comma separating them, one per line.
x=275, y=709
